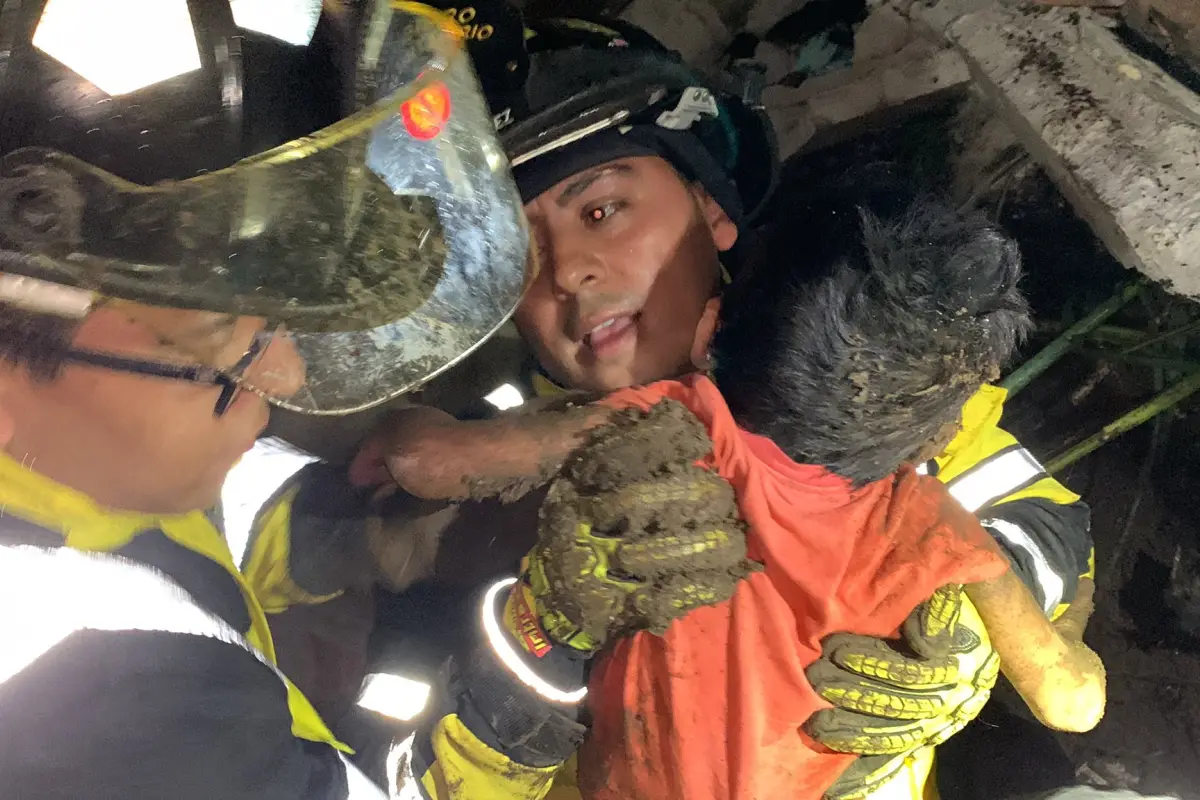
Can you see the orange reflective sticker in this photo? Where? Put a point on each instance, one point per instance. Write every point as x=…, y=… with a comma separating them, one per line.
x=426, y=112
x=525, y=622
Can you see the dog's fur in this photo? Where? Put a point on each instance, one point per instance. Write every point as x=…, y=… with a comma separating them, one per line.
x=857, y=349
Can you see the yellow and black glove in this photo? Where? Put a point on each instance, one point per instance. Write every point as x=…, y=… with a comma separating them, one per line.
x=892, y=698
x=633, y=534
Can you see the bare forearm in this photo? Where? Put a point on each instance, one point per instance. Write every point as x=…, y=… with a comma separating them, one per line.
x=1074, y=620
x=1061, y=679
x=436, y=457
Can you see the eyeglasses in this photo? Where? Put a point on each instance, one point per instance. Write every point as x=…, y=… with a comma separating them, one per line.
x=231, y=380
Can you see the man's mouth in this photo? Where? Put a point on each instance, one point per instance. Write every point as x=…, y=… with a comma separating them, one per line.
x=609, y=335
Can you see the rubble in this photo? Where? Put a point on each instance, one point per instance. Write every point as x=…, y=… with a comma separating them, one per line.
x=692, y=27
x=885, y=31
x=834, y=107
x=1175, y=23
x=1120, y=138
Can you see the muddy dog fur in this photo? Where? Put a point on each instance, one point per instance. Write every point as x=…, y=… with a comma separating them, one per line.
x=858, y=351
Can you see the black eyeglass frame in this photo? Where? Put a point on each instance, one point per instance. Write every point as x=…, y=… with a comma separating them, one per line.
x=230, y=380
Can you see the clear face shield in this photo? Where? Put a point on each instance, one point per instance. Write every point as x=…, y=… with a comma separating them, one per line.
x=385, y=247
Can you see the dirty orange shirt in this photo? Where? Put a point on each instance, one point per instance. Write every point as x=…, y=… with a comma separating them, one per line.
x=713, y=710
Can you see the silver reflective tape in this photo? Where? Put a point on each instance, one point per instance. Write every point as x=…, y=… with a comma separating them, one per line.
x=394, y=695
x=250, y=484
x=994, y=478
x=404, y=783
x=120, y=46
x=1050, y=581
x=504, y=649
x=291, y=21
x=358, y=785
x=60, y=591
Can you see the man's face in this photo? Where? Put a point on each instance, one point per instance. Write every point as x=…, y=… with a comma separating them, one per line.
x=629, y=265
x=139, y=443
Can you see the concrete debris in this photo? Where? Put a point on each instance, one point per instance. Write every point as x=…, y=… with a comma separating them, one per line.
x=834, y=107
x=1175, y=23
x=984, y=145
x=1083, y=3
x=1106, y=772
x=939, y=14
x=1118, y=136
x=692, y=27
x=776, y=59
x=884, y=32
x=764, y=14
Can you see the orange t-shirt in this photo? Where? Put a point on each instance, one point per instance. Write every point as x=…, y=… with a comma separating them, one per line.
x=713, y=710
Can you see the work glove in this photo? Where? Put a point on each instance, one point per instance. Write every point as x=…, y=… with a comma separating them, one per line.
x=892, y=698
x=634, y=534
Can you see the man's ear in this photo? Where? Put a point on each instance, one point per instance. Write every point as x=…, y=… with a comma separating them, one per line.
x=724, y=231
x=704, y=333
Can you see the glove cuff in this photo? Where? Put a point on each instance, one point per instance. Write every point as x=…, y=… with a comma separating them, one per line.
x=525, y=706
x=518, y=643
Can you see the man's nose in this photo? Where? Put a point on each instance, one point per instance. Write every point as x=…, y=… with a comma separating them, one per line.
x=574, y=266
x=280, y=371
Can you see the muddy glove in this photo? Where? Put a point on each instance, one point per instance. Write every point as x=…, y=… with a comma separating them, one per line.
x=893, y=697
x=633, y=534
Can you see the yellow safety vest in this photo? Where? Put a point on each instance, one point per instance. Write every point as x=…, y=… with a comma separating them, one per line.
x=89, y=527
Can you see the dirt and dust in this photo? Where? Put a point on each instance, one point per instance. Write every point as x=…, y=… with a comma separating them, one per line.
x=543, y=418
x=318, y=274
x=640, y=533
x=1058, y=676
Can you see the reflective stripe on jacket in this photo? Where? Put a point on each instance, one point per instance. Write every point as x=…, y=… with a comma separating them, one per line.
x=61, y=592
x=188, y=547
x=1043, y=526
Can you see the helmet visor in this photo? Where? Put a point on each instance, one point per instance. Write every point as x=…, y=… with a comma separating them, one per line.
x=390, y=243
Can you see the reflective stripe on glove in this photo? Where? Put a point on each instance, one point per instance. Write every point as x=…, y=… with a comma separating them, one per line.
x=888, y=704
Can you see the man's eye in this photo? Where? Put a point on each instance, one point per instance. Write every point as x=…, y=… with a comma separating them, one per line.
x=597, y=214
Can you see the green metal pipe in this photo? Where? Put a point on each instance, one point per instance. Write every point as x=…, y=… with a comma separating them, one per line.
x=1022, y=375
x=1155, y=361
x=1164, y=336
x=1116, y=336
x=1143, y=413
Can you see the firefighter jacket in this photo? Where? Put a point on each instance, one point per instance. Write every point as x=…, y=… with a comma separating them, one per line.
x=1043, y=527
x=138, y=663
